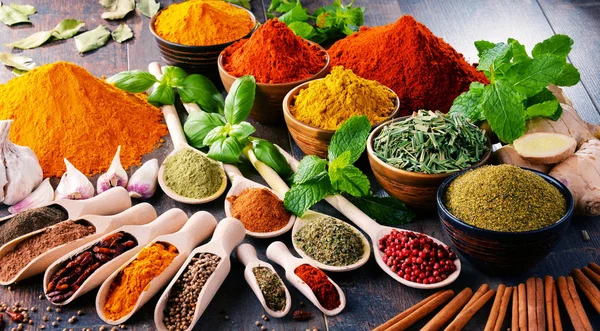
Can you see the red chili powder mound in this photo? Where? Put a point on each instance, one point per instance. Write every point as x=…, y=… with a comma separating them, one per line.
x=424, y=70
x=273, y=55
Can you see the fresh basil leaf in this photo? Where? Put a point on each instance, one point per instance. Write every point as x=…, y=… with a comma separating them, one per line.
x=518, y=51
x=385, y=210
x=11, y=16
x=198, y=124
x=349, y=180
x=199, y=89
x=286, y=5
x=148, y=7
x=243, y=3
x=483, y=45
x=559, y=45
x=341, y=161
x=116, y=9
x=17, y=61
x=33, y=41
x=173, y=75
x=303, y=196
x=296, y=14
x=226, y=150
x=302, y=29
x=93, y=39
x=134, y=81
x=274, y=4
x=122, y=33
x=544, y=109
x=240, y=99
x=67, y=29
x=241, y=130
x=530, y=77
x=351, y=136
x=311, y=168
x=163, y=94
x=568, y=77
x=497, y=56
x=504, y=110
x=270, y=155
x=214, y=135
x=469, y=103
x=23, y=9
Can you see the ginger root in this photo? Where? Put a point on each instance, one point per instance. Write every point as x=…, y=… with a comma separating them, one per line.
x=570, y=124
x=545, y=147
x=507, y=154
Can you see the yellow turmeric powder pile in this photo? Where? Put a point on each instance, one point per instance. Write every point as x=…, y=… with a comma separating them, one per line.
x=203, y=23
x=135, y=278
x=328, y=102
x=62, y=111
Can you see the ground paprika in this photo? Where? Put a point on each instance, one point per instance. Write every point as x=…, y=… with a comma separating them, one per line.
x=320, y=284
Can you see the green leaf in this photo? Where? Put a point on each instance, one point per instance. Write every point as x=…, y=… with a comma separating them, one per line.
x=483, y=45
x=341, y=161
x=504, y=110
x=33, y=41
x=241, y=130
x=385, y=210
x=10, y=16
x=198, y=124
x=122, y=33
x=64, y=30
x=270, y=155
x=173, y=75
x=116, y=9
x=148, y=7
x=135, y=81
x=285, y=6
x=303, y=196
x=240, y=99
x=518, y=51
x=243, y=3
x=530, y=77
x=297, y=14
x=544, y=109
x=310, y=169
x=93, y=39
x=568, y=77
x=226, y=150
x=350, y=180
x=469, y=103
x=274, y=4
x=24, y=9
x=199, y=89
x=67, y=29
x=559, y=45
x=544, y=96
x=163, y=94
x=216, y=134
x=302, y=29
x=497, y=56
x=351, y=136
x=19, y=72
x=16, y=61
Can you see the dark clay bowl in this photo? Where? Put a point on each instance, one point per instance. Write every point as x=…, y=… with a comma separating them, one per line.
x=503, y=252
x=194, y=59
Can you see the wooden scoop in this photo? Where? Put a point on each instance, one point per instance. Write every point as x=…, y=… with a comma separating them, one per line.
x=199, y=227
x=280, y=254
x=168, y=222
x=247, y=255
x=229, y=233
x=238, y=184
x=137, y=215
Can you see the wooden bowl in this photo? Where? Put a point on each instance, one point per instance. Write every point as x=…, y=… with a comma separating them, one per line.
x=502, y=252
x=417, y=190
x=269, y=97
x=310, y=139
x=194, y=59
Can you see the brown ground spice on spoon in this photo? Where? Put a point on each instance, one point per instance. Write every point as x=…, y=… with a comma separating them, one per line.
x=259, y=210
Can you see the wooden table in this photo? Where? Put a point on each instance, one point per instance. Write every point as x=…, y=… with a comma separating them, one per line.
x=372, y=296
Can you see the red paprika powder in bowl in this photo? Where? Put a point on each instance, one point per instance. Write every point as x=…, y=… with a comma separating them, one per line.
x=279, y=61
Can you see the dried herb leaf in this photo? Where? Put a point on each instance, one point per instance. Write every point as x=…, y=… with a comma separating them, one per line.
x=18, y=62
x=116, y=9
x=67, y=29
x=122, y=33
x=15, y=14
x=19, y=72
x=64, y=30
x=24, y=9
x=91, y=40
x=148, y=7
x=33, y=41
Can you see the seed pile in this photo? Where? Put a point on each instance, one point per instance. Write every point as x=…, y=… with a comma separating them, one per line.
x=271, y=287
x=29, y=221
x=181, y=304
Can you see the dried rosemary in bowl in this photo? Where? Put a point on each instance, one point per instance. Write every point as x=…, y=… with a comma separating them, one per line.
x=431, y=142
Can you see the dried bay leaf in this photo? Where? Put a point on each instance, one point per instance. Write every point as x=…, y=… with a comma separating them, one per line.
x=148, y=7
x=122, y=33
x=91, y=40
x=67, y=29
x=64, y=30
x=33, y=41
x=17, y=61
x=25, y=9
x=117, y=9
x=15, y=14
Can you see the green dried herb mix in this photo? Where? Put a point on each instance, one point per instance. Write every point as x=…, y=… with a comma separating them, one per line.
x=504, y=198
x=192, y=175
x=271, y=287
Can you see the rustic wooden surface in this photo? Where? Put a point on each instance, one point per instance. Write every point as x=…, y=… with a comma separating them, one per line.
x=372, y=296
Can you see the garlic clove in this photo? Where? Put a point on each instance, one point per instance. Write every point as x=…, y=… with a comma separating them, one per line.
x=142, y=184
x=115, y=176
x=42, y=195
x=74, y=185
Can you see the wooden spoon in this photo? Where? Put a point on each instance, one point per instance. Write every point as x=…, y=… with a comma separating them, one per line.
x=238, y=184
x=199, y=227
x=280, y=254
x=247, y=255
x=137, y=215
x=168, y=222
x=229, y=233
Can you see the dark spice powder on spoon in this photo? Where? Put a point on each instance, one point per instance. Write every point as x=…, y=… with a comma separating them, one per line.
x=29, y=221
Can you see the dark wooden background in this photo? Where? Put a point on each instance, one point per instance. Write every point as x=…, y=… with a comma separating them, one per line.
x=372, y=296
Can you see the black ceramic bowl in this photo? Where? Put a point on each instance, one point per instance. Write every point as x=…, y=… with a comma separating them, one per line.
x=194, y=59
x=503, y=252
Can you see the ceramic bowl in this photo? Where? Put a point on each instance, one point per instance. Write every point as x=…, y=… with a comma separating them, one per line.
x=503, y=252
x=417, y=190
x=194, y=59
x=269, y=97
x=310, y=139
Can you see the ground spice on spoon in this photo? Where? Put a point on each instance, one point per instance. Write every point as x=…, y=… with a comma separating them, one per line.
x=319, y=283
x=271, y=287
x=259, y=210
x=29, y=221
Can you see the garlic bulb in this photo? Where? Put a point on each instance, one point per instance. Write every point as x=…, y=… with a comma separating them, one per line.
x=74, y=185
x=42, y=195
x=21, y=169
x=143, y=181
x=115, y=176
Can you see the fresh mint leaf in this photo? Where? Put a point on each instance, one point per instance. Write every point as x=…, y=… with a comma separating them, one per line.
x=270, y=155
x=296, y=14
x=341, y=161
x=199, y=89
x=483, y=45
x=226, y=150
x=240, y=99
x=163, y=94
x=274, y=5
x=303, y=196
x=497, y=56
x=469, y=103
x=518, y=51
x=544, y=95
x=134, y=81
x=351, y=136
x=544, y=109
x=504, y=110
x=530, y=77
x=241, y=130
x=568, y=77
x=302, y=29
x=198, y=124
x=349, y=180
x=385, y=210
x=285, y=6
x=214, y=135
x=559, y=45
x=310, y=169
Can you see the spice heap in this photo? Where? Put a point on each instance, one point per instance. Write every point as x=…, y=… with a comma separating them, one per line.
x=431, y=142
x=203, y=23
x=30, y=220
x=504, y=198
x=274, y=55
x=64, y=282
x=271, y=287
x=128, y=285
x=425, y=71
x=259, y=210
x=330, y=241
x=416, y=257
x=329, y=102
x=320, y=284
x=192, y=175
x=99, y=117
x=181, y=304
x=36, y=245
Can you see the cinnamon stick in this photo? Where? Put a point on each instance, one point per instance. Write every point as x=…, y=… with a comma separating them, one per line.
x=539, y=305
x=548, y=289
x=503, y=308
x=422, y=311
x=594, y=277
x=531, y=305
x=565, y=295
x=407, y=312
x=481, y=291
x=587, y=287
x=522, y=307
x=577, y=302
x=514, y=325
x=555, y=311
x=465, y=316
x=491, y=322
x=594, y=267
x=448, y=312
